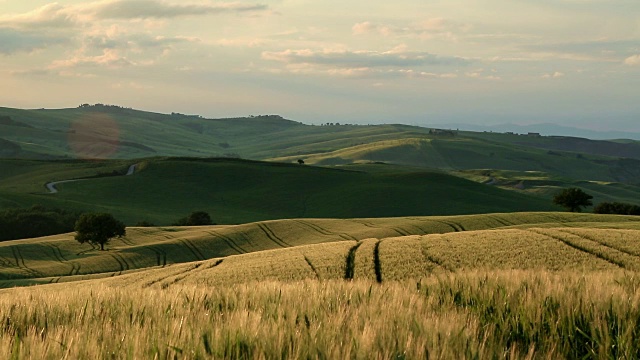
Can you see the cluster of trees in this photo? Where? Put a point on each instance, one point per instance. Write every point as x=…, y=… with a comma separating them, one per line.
x=616, y=208
x=574, y=199
x=35, y=222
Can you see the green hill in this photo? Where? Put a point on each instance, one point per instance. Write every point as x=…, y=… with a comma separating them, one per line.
x=240, y=191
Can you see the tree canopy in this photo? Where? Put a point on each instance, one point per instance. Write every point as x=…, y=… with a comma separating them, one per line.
x=98, y=229
x=573, y=199
x=196, y=218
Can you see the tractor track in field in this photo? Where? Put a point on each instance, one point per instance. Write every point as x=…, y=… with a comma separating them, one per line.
x=21, y=264
x=323, y=231
x=127, y=241
x=232, y=244
x=179, y=277
x=57, y=254
x=122, y=262
x=587, y=237
x=500, y=221
x=312, y=267
x=93, y=247
x=193, y=249
x=435, y=260
x=272, y=236
x=161, y=255
x=582, y=248
x=398, y=230
x=75, y=269
x=350, y=269
x=456, y=227
x=377, y=265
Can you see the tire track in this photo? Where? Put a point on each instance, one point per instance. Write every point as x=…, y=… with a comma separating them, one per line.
x=75, y=269
x=124, y=265
x=127, y=241
x=232, y=244
x=161, y=255
x=323, y=231
x=587, y=237
x=21, y=264
x=312, y=267
x=376, y=261
x=500, y=221
x=272, y=236
x=351, y=262
x=451, y=225
x=196, y=253
x=93, y=247
x=54, y=251
x=580, y=248
x=180, y=278
x=57, y=248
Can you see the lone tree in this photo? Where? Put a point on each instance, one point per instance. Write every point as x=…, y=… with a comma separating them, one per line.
x=98, y=229
x=196, y=218
x=300, y=161
x=573, y=199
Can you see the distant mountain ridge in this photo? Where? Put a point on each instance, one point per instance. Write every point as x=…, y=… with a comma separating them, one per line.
x=546, y=129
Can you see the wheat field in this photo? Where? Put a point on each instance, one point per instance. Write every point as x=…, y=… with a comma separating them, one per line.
x=504, y=286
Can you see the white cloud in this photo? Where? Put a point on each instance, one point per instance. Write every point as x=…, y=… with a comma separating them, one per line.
x=397, y=57
x=554, y=75
x=425, y=29
x=142, y=9
x=633, y=60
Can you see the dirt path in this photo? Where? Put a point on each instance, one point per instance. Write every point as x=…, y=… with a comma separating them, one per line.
x=52, y=185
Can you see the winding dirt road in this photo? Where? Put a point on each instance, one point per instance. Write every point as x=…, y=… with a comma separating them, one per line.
x=52, y=185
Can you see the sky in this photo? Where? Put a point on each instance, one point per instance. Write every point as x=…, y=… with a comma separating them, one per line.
x=570, y=62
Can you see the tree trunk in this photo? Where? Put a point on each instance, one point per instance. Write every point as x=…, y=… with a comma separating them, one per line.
x=102, y=246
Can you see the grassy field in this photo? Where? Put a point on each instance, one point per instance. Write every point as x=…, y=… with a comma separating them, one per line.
x=475, y=315
x=529, y=285
x=239, y=191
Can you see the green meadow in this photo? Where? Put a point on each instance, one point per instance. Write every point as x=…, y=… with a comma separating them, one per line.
x=239, y=191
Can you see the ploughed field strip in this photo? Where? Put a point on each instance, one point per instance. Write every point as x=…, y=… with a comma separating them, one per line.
x=374, y=249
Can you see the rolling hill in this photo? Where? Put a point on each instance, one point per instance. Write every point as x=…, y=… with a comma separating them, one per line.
x=381, y=248
x=239, y=191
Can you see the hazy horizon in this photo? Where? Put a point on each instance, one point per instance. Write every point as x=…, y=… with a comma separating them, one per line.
x=571, y=62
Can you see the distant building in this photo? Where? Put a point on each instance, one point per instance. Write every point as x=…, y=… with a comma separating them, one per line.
x=534, y=134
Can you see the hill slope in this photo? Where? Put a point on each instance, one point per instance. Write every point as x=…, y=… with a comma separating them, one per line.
x=322, y=248
x=239, y=191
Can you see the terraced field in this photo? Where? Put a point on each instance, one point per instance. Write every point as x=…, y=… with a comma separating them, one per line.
x=374, y=249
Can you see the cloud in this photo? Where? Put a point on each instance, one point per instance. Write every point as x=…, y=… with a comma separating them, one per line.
x=48, y=16
x=143, y=9
x=633, y=60
x=398, y=57
x=109, y=58
x=13, y=41
x=58, y=16
x=555, y=75
x=426, y=29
